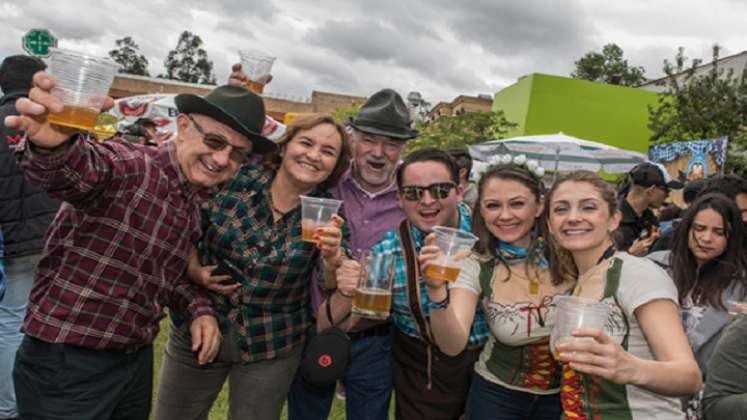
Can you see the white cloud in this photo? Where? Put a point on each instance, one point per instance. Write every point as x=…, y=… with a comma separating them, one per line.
x=441, y=48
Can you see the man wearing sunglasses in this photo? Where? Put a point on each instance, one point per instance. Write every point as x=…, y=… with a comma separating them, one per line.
x=427, y=383
x=650, y=186
x=380, y=131
x=117, y=251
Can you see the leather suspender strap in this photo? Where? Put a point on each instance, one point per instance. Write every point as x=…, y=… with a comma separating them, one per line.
x=412, y=270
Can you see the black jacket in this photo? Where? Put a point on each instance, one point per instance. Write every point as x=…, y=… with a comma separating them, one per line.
x=633, y=226
x=25, y=211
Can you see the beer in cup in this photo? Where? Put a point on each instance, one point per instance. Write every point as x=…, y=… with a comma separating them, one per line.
x=373, y=298
x=257, y=66
x=454, y=244
x=83, y=82
x=315, y=213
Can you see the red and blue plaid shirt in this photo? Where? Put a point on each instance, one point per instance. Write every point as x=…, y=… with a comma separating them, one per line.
x=117, y=251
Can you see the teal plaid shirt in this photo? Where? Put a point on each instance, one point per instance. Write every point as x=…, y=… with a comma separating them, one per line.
x=401, y=314
x=271, y=309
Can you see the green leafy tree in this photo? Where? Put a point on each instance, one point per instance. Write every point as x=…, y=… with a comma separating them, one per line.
x=608, y=67
x=697, y=105
x=128, y=58
x=188, y=62
x=343, y=114
x=449, y=132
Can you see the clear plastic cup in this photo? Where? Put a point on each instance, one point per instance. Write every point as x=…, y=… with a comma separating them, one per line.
x=573, y=312
x=454, y=244
x=257, y=66
x=373, y=298
x=83, y=83
x=316, y=213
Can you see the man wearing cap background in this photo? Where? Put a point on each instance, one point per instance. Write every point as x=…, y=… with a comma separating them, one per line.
x=368, y=190
x=117, y=251
x=25, y=214
x=650, y=186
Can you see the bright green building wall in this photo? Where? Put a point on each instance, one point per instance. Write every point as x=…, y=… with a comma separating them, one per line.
x=544, y=104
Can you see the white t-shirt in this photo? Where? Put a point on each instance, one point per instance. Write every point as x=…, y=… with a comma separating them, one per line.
x=641, y=282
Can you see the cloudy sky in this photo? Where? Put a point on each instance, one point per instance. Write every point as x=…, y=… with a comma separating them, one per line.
x=441, y=48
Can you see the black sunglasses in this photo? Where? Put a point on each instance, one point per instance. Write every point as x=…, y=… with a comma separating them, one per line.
x=438, y=191
x=217, y=143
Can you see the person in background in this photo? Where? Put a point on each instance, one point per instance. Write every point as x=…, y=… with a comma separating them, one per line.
x=725, y=394
x=152, y=136
x=732, y=186
x=369, y=193
x=709, y=267
x=25, y=214
x=464, y=162
x=508, y=277
x=641, y=360
x=118, y=249
x=2, y=269
x=649, y=187
x=671, y=215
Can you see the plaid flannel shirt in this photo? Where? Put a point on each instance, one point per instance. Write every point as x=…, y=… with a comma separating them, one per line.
x=118, y=248
x=271, y=310
x=401, y=313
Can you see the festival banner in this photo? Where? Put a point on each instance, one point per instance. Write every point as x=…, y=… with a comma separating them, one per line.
x=690, y=160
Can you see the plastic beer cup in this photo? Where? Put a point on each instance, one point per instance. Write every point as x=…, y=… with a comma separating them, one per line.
x=454, y=244
x=373, y=298
x=315, y=213
x=257, y=66
x=573, y=312
x=83, y=82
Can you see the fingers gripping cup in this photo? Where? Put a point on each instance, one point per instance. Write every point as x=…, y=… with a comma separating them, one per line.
x=373, y=298
x=573, y=312
x=257, y=66
x=316, y=213
x=83, y=83
x=454, y=244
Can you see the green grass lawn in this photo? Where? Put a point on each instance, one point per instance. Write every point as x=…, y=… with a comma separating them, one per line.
x=220, y=408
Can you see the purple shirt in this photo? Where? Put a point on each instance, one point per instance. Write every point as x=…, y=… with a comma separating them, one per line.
x=368, y=216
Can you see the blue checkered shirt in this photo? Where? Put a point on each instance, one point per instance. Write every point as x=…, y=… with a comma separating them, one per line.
x=401, y=313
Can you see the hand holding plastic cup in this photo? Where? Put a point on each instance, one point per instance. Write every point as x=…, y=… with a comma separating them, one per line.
x=454, y=244
x=315, y=213
x=373, y=298
x=257, y=66
x=83, y=83
x=573, y=312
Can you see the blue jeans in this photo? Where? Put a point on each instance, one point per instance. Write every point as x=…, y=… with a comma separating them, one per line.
x=19, y=276
x=368, y=385
x=490, y=401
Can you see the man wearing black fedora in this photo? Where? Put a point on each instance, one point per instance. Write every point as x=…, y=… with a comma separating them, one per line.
x=117, y=250
x=380, y=131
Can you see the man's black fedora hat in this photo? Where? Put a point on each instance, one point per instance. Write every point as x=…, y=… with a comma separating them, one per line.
x=234, y=106
x=385, y=114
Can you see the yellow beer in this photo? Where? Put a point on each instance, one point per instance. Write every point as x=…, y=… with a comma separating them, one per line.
x=74, y=116
x=441, y=272
x=372, y=303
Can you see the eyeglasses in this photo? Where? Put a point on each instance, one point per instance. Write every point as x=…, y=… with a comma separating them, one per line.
x=217, y=143
x=438, y=191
